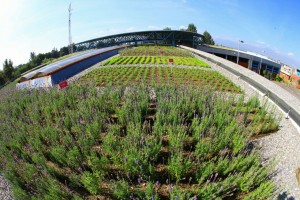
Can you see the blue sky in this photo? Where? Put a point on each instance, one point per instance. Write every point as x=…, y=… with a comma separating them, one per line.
x=40, y=25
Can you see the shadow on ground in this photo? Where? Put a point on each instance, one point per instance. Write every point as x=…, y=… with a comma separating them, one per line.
x=284, y=196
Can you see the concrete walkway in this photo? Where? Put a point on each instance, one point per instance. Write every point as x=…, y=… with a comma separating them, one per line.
x=289, y=88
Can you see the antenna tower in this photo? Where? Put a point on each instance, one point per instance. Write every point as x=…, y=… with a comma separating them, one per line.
x=70, y=37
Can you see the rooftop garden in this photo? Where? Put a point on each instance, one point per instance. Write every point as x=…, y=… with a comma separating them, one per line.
x=160, y=142
x=137, y=132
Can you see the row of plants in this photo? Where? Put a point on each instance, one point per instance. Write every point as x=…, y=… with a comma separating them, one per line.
x=160, y=75
x=160, y=142
x=155, y=60
x=155, y=51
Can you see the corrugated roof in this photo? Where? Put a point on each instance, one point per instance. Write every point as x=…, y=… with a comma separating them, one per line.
x=53, y=67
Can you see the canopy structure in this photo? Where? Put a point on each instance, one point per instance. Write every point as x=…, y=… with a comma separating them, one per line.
x=58, y=72
x=169, y=37
x=59, y=65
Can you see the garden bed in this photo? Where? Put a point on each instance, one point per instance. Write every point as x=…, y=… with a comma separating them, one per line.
x=123, y=143
x=155, y=60
x=156, y=51
x=160, y=75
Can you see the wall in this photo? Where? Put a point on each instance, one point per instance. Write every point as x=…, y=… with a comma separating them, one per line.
x=36, y=83
x=287, y=70
x=74, y=69
x=285, y=76
x=295, y=78
x=245, y=58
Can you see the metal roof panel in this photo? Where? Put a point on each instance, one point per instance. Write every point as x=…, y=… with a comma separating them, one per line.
x=48, y=69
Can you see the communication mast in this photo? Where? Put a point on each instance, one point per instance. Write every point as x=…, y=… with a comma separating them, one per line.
x=70, y=37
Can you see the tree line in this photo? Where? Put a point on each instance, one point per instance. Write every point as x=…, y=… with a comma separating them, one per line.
x=10, y=73
x=207, y=38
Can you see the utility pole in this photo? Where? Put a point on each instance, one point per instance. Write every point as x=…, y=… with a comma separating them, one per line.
x=70, y=37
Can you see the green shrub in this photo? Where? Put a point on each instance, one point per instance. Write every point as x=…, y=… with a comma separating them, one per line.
x=121, y=190
x=278, y=78
x=178, y=166
x=136, y=145
x=91, y=182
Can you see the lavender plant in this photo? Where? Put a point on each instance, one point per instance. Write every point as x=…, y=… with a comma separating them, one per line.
x=87, y=141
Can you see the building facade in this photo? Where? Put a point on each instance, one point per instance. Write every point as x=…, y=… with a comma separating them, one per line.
x=296, y=76
x=286, y=72
x=253, y=61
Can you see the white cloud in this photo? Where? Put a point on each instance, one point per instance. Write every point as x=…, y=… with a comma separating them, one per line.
x=182, y=27
x=130, y=29
x=290, y=54
x=261, y=42
x=276, y=50
x=154, y=27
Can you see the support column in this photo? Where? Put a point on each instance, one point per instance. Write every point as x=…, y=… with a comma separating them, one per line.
x=260, y=67
x=250, y=64
x=173, y=39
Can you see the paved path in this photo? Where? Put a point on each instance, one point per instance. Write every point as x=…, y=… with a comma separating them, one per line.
x=289, y=88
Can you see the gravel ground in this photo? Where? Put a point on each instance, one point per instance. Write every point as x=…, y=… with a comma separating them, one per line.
x=5, y=192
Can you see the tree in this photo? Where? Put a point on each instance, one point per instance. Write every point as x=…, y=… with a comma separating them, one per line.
x=32, y=56
x=63, y=51
x=2, y=78
x=207, y=38
x=167, y=29
x=192, y=28
x=54, y=53
x=8, y=69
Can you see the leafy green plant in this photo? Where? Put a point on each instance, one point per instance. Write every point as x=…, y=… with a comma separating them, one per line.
x=178, y=166
x=134, y=141
x=91, y=182
x=121, y=190
x=176, y=193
